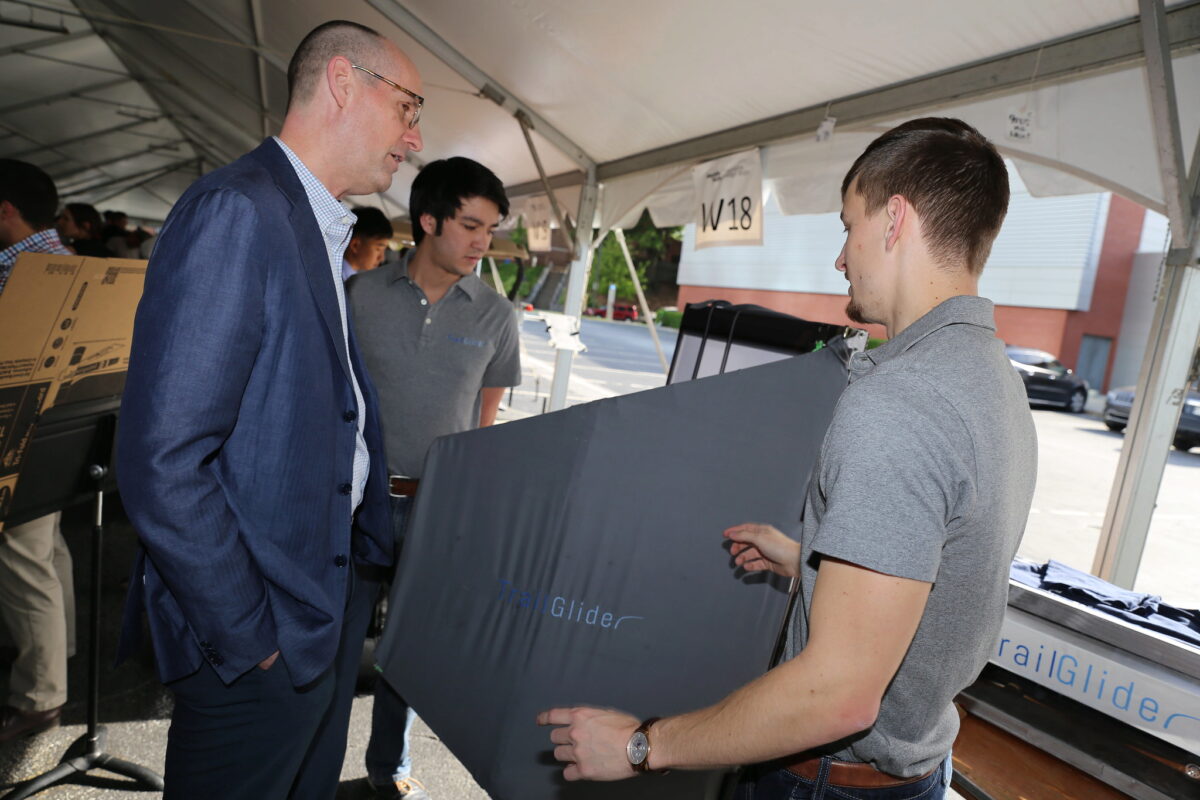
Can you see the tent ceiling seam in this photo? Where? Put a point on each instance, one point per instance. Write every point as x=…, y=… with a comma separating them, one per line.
x=85, y=137
x=238, y=133
x=67, y=95
x=443, y=50
x=116, y=20
x=25, y=48
x=197, y=66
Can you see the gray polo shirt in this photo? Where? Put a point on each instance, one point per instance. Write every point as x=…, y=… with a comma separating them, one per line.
x=926, y=472
x=429, y=362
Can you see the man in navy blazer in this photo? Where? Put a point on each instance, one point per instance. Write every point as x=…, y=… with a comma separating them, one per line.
x=250, y=456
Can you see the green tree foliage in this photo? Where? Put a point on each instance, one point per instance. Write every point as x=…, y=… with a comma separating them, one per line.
x=520, y=235
x=647, y=245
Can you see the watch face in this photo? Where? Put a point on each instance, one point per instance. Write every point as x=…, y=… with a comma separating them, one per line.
x=638, y=748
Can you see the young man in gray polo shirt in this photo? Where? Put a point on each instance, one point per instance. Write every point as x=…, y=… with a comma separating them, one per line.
x=914, y=512
x=441, y=347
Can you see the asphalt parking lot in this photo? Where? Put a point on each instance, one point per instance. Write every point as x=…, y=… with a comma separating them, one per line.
x=1077, y=460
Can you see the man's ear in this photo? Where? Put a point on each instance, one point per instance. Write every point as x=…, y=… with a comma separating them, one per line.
x=339, y=80
x=897, y=209
x=353, y=247
x=429, y=224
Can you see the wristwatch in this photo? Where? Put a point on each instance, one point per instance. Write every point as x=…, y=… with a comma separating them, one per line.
x=638, y=748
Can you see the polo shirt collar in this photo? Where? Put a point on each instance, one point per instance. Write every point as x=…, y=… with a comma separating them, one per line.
x=469, y=284
x=960, y=310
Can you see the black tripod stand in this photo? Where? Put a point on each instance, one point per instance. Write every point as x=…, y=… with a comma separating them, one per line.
x=87, y=752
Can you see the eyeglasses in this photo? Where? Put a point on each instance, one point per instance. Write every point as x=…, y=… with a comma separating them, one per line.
x=416, y=112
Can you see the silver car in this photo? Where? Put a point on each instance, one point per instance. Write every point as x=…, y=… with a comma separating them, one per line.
x=1119, y=402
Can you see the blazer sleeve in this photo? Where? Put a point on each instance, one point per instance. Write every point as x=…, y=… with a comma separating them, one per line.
x=197, y=334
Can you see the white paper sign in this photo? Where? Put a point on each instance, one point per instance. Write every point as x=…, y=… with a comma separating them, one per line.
x=729, y=200
x=1020, y=125
x=537, y=223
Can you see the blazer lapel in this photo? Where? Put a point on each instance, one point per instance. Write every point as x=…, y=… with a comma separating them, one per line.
x=311, y=244
x=320, y=276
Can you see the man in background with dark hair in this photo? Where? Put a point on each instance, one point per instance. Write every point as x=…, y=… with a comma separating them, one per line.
x=914, y=511
x=442, y=347
x=368, y=242
x=28, y=204
x=250, y=458
x=115, y=235
x=37, y=593
x=79, y=226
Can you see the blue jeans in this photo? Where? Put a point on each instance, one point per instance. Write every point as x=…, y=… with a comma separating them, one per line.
x=768, y=783
x=388, y=756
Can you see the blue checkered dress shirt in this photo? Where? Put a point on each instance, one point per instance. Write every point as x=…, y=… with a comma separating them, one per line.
x=46, y=241
x=336, y=223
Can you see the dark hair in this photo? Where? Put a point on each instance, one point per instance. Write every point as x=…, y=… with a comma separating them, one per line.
x=334, y=38
x=441, y=187
x=952, y=175
x=86, y=218
x=372, y=224
x=30, y=190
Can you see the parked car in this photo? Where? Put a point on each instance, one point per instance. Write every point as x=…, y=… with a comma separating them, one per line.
x=1047, y=381
x=1119, y=402
x=626, y=311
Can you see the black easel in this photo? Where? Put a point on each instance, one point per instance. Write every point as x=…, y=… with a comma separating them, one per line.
x=87, y=752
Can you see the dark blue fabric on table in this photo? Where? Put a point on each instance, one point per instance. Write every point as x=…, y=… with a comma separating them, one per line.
x=1145, y=610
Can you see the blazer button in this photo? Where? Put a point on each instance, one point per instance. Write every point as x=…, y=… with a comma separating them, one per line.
x=345, y=488
x=350, y=416
x=339, y=560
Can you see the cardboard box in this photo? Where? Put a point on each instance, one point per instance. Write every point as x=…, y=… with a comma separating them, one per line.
x=66, y=323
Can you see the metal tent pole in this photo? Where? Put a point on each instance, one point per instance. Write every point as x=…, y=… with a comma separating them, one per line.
x=576, y=280
x=1173, y=334
x=637, y=285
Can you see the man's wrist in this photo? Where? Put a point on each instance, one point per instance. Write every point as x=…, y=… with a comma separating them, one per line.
x=657, y=759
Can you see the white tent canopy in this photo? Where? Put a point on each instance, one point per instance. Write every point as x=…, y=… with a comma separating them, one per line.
x=124, y=101
x=1060, y=157
x=627, y=85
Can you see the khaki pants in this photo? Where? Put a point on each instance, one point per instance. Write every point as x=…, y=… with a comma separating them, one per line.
x=37, y=606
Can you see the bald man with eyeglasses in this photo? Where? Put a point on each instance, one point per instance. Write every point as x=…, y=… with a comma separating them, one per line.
x=250, y=456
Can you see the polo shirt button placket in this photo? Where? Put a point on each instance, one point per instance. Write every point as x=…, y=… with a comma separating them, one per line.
x=426, y=330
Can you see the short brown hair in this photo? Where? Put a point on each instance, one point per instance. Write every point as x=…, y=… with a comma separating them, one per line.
x=335, y=38
x=952, y=175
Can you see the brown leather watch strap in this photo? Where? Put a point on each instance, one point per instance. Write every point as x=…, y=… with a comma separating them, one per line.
x=644, y=728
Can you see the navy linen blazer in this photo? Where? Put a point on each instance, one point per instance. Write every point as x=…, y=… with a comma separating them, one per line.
x=236, y=444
